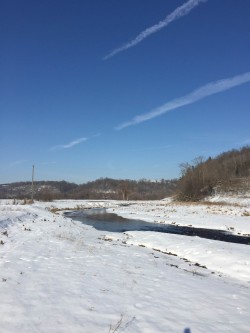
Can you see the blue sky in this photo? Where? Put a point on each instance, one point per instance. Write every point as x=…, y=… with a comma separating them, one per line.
x=80, y=110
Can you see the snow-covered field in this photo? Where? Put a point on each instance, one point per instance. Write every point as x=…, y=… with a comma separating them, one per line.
x=58, y=275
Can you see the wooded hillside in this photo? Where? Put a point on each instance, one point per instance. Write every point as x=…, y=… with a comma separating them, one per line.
x=107, y=188
x=103, y=188
x=228, y=172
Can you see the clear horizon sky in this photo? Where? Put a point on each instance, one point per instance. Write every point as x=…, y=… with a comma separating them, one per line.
x=121, y=89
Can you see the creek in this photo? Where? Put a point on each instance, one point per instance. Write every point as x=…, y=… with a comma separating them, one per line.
x=100, y=219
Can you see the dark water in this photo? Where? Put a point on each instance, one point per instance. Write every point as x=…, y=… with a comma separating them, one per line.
x=101, y=220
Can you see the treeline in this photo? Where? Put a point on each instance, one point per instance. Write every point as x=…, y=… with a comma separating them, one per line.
x=43, y=190
x=103, y=188
x=229, y=171
x=107, y=188
x=203, y=177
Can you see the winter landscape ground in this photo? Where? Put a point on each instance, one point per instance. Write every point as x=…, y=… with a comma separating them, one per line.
x=59, y=275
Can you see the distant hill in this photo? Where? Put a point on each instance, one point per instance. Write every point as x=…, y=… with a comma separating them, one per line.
x=107, y=188
x=228, y=173
x=43, y=190
x=103, y=188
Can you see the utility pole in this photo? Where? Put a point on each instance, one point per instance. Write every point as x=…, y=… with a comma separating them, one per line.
x=32, y=186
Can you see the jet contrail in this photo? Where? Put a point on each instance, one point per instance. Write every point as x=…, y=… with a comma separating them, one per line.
x=177, y=13
x=198, y=94
x=69, y=145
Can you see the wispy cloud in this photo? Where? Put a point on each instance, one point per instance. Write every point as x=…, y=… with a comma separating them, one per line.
x=198, y=94
x=246, y=142
x=155, y=148
x=15, y=163
x=47, y=163
x=69, y=145
x=176, y=14
x=96, y=135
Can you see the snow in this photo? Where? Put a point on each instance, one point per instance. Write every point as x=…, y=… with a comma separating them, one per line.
x=227, y=258
x=58, y=275
x=227, y=217
x=243, y=200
